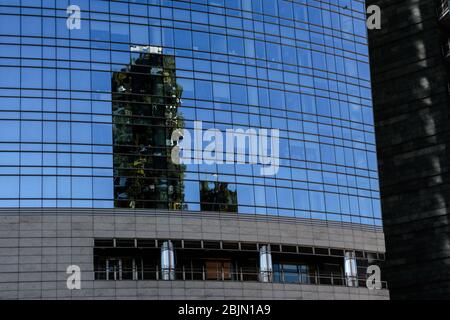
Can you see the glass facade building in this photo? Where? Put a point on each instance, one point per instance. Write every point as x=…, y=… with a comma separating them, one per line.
x=86, y=115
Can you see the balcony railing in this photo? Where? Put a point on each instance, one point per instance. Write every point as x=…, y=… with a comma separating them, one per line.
x=189, y=274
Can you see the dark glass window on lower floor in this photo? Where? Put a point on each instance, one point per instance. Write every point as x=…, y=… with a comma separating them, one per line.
x=291, y=273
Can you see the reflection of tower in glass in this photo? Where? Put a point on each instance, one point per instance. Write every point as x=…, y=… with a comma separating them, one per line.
x=218, y=196
x=146, y=98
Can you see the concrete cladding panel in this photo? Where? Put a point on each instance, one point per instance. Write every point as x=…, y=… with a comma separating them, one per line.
x=37, y=246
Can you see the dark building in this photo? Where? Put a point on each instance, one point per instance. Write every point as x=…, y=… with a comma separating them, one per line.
x=88, y=179
x=409, y=61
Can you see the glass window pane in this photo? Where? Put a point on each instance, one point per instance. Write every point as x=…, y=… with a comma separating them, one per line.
x=9, y=131
x=9, y=187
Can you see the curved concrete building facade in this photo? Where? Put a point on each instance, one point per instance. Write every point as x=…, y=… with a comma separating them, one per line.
x=187, y=149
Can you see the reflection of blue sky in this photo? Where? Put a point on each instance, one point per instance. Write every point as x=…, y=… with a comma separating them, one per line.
x=311, y=86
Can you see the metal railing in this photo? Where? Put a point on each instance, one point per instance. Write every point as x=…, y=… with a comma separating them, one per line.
x=241, y=275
